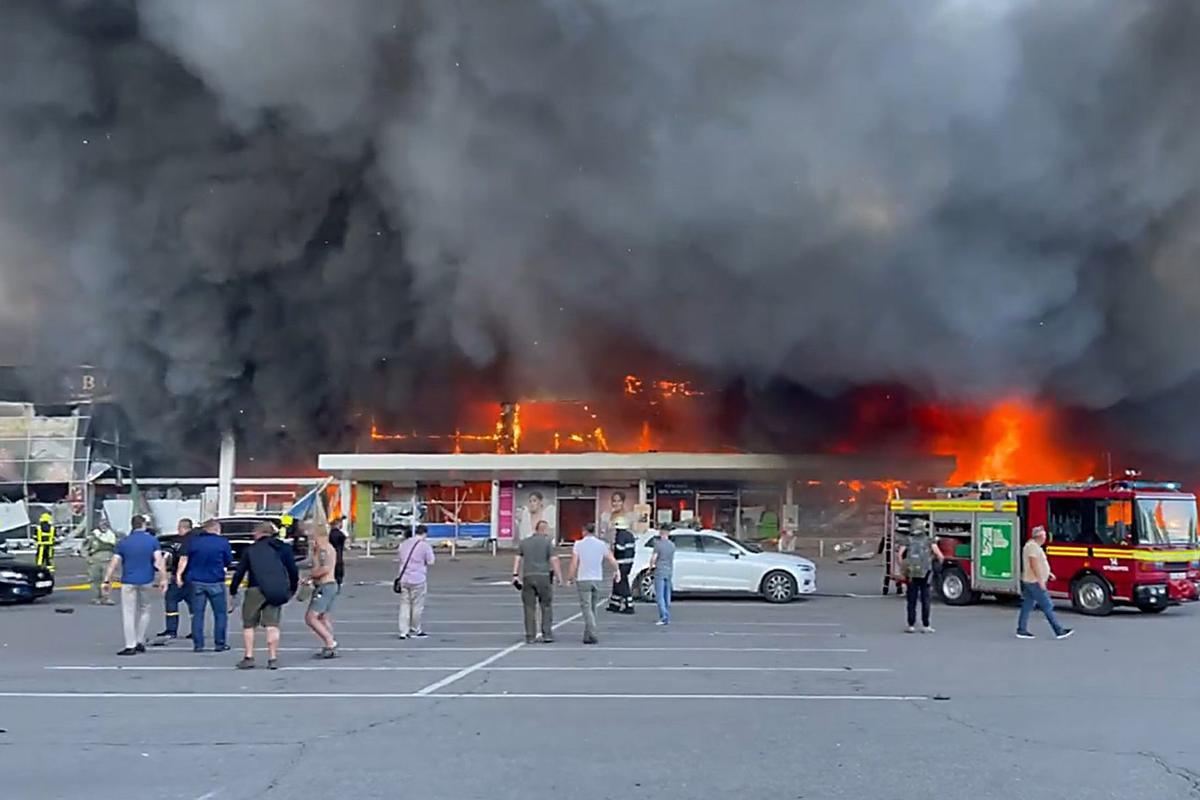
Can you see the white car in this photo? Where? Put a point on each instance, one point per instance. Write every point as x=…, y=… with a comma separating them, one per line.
x=708, y=561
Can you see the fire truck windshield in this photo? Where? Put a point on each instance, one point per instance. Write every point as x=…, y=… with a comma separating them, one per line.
x=1166, y=521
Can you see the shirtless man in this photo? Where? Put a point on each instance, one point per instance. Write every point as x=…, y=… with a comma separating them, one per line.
x=322, y=578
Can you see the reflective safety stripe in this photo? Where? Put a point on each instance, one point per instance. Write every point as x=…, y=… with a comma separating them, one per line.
x=954, y=505
x=172, y=613
x=1081, y=551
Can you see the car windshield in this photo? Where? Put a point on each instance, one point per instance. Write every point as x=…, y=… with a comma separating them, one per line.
x=1166, y=521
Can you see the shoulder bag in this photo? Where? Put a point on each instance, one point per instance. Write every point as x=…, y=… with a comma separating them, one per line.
x=396, y=586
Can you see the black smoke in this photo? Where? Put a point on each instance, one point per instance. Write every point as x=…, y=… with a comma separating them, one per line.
x=284, y=214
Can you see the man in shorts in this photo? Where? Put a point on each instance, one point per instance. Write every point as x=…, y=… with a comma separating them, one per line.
x=322, y=578
x=273, y=579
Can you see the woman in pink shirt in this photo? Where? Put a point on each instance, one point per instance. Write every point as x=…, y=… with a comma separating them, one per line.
x=416, y=557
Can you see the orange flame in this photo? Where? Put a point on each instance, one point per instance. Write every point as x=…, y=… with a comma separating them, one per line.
x=1013, y=442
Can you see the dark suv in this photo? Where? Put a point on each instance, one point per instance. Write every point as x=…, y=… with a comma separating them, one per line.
x=240, y=533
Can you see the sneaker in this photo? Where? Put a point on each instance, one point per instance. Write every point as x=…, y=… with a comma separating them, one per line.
x=108, y=601
x=661, y=622
x=165, y=635
x=590, y=640
x=141, y=648
x=160, y=642
x=402, y=636
x=329, y=652
x=547, y=640
x=246, y=663
x=272, y=663
x=420, y=634
x=910, y=629
x=1025, y=635
x=200, y=650
x=221, y=648
x=927, y=629
x=530, y=640
x=1064, y=633
x=128, y=651
x=189, y=636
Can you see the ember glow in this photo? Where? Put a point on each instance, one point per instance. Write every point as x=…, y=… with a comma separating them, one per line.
x=645, y=415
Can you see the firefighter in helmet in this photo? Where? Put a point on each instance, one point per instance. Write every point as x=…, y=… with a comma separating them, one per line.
x=624, y=549
x=45, y=541
x=286, y=523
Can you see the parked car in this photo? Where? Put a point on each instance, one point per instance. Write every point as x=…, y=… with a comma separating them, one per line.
x=708, y=561
x=23, y=582
x=240, y=533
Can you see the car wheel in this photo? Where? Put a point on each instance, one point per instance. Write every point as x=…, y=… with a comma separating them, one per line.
x=643, y=587
x=954, y=587
x=1090, y=595
x=778, y=587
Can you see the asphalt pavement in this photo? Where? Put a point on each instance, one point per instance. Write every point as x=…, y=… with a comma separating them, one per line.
x=822, y=698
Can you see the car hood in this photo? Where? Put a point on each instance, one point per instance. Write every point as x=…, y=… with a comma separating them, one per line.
x=12, y=565
x=782, y=560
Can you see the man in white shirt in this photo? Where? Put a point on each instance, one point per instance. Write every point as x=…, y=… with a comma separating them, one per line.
x=587, y=570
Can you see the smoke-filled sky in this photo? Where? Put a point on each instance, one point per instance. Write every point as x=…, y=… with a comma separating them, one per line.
x=282, y=211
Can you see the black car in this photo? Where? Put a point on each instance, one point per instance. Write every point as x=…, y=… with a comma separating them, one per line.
x=240, y=533
x=23, y=583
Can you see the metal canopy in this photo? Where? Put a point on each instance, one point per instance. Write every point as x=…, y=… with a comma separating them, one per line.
x=625, y=467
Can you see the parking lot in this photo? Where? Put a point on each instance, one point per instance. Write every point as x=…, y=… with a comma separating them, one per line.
x=820, y=698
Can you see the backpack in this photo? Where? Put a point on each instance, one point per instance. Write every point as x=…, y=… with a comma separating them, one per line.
x=918, y=557
x=270, y=574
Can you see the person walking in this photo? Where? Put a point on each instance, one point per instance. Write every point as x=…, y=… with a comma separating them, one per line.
x=270, y=567
x=587, y=570
x=177, y=591
x=98, y=549
x=415, y=557
x=534, y=568
x=916, y=562
x=201, y=568
x=624, y=550
x=662, y=564
x=140, y=560
x=319, y=616
x=1035, y=573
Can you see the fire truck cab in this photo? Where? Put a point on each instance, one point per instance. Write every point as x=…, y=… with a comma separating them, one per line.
x=1109, y=543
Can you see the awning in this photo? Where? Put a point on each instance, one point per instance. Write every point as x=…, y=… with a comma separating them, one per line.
x=623, y=468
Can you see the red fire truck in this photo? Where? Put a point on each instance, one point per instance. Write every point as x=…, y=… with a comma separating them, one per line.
x=1115, y=542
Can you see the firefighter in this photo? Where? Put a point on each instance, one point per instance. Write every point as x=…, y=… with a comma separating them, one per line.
x=45, y=541
x=98, y=549
x=285, y=526
x=624, y=548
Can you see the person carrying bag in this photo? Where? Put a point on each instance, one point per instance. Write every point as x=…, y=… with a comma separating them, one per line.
x=416, y=557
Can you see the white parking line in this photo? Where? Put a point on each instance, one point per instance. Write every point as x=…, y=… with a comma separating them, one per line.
x=174, y=696
x=421, y=648
x=412, y=648
x=462, y=673
x=488, y=668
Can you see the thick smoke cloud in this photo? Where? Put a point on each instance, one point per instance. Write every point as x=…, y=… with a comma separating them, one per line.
x=283, y=212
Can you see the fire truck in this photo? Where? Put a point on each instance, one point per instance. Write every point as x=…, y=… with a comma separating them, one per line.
x=1109, y=543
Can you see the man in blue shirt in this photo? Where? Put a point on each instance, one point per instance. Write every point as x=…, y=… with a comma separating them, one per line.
x=140, y=560
x=202, y=565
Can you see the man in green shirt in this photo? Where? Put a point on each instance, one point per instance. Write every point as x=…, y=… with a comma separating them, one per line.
x=532, y=570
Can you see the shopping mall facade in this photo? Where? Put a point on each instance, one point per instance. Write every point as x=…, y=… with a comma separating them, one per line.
x=502, y=497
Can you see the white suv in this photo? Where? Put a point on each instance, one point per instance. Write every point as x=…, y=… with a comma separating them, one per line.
x=708, y=561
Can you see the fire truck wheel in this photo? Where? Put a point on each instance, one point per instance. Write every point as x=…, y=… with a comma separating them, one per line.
x=954, y=587
x=778, y=587
x=1090, y=595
